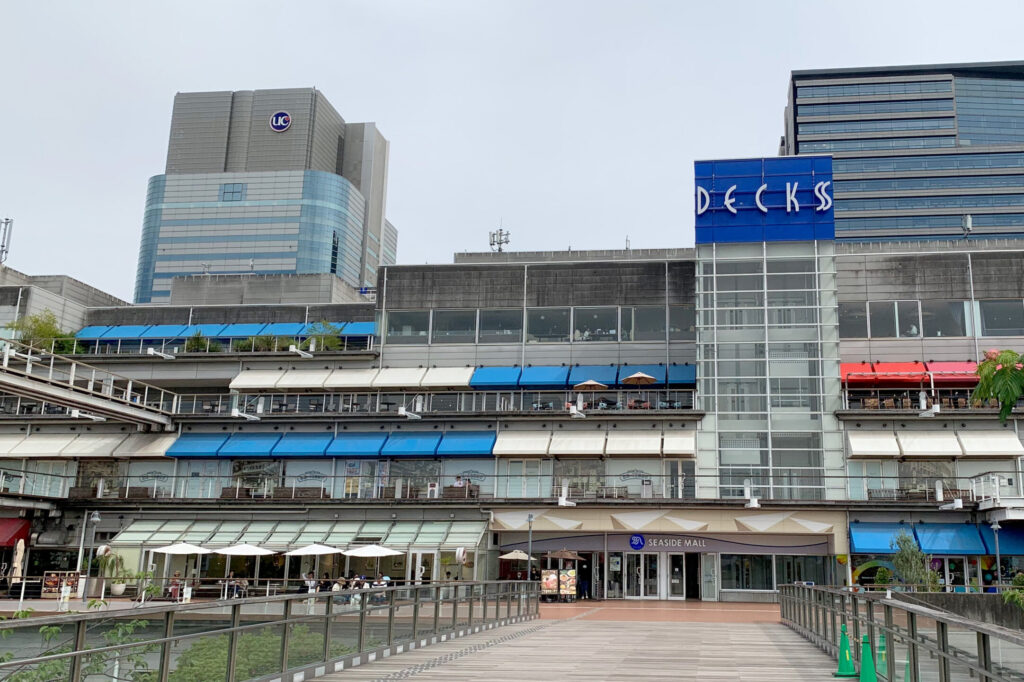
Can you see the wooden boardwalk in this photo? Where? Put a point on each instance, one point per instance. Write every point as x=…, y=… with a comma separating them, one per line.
x=588, y=649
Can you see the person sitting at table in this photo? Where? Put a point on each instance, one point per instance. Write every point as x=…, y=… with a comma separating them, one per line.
x=175, y=586
x=326, y=583
x=458, y=482
x=233, y=587
x=340, y=585
x=311, y=583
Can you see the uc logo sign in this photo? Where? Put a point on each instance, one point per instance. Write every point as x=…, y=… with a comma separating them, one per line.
x=280, y=122
x=637, y=541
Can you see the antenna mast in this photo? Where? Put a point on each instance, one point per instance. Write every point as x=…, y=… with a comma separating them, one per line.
x=6, y=228
x=499, y=238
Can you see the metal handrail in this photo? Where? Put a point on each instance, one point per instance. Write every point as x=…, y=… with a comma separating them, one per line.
x=518, y=599
x=817, y=613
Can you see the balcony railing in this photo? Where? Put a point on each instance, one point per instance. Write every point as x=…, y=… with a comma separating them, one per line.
x=915, y=399
x=739, y=484
x=204, y=345
x=609, y=402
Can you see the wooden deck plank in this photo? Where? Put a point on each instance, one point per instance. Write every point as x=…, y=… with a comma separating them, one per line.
x=604, y=650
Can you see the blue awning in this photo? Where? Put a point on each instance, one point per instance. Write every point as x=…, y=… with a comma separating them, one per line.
x=210, y=331
x=303, y=444
x=1011, y=540
x=163, y=331
x=315, y=327
x=604, y=374
x=359, y=329
x=950, y=538
x=411, y=444
x=283, y=329
x=249, y=445
x=544, y=377
x=467, y=444
x=495, y=378
x=656, y=371
x=357, y=445
x=682, y=375
x=93, y=332
x=197, y=445
x=241, y=330
x=875, y=538
x=125, y=331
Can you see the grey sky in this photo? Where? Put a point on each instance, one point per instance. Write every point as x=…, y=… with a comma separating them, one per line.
x=575, y=123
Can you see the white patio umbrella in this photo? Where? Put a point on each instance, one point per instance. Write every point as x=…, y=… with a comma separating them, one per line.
x=517, y=555
x=639, y=379
x=246, y=549
x=372, y=551
x=19, y=557
x=183, y=548
x=316, y=550
x=590, y=385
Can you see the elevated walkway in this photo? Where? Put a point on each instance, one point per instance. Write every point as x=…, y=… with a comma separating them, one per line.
x=95, y=393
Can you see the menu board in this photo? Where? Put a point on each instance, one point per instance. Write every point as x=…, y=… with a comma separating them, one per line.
x=567, y=582
x=54, y=580
x=549, y=581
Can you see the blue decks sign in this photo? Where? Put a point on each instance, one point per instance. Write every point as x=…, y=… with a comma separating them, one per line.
x=781, y=199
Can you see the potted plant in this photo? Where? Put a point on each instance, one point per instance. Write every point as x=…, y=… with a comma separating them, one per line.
x=882, y=577
x=111, y=566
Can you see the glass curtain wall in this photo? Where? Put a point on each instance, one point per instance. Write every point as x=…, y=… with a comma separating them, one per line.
x=767, y=344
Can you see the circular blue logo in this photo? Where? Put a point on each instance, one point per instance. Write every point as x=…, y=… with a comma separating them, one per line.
x=280, y=122
x=637, y=541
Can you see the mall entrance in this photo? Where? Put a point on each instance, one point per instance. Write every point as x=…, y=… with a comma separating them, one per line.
x=660, y=575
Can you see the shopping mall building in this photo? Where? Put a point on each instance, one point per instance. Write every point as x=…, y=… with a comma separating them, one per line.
x=772, y=405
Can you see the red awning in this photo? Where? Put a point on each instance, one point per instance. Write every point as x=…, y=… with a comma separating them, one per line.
x=954, y=373
x=900, y=373
x=857, y=372
x=12, y=530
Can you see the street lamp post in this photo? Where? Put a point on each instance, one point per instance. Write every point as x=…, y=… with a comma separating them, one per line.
x=94, y=521
x=999, y=564
x=529, y=548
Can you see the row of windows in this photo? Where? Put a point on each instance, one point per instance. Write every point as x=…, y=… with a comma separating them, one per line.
x=754, y=571
x=949, y=182
x=913, y=319
x=957, y=201
x=885, y=125
x=924, y=222
x=935, y=162
x=542, y=325
x=853, y=108
x=884, y=143
x=856, y=89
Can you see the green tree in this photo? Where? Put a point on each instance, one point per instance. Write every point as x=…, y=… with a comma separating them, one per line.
x=1015, y=595
x=1000, y=376
x=327, y=335
x=910, y=562
x=42, y=329
x=883, y=576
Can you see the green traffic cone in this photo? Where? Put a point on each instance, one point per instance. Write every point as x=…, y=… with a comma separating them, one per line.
x=846, y=668
x=867, y=662
x=882, y=663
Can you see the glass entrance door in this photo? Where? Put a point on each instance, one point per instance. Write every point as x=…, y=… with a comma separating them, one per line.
x=642, y=576
x=952, y=572
x=709, y=577
x=421, y=565
x=676, y=574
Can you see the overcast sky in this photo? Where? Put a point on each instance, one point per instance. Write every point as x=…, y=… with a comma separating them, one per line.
x=571, y=123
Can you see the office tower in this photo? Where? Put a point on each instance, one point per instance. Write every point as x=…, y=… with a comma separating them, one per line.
x=265, y=182
x=916, y=148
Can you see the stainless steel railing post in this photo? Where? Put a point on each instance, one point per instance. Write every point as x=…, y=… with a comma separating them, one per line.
x=363, y=598
x=76, y=662
x=233, y=637
x=942, y=641
x=285, y=633
x=391, y=617
x=328, y=626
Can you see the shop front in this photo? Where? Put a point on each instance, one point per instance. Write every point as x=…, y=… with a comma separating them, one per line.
x=727, y=556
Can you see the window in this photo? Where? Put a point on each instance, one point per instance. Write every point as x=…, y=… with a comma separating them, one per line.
x=853, y=321
x=792, y=569
x=1002, y=318
x=941, y=318
x=595, y=324
x=682, y=321
x=501, y=325
x=747, y=572
x=407, y=326
x=584, y=475
x=909, y=319
x=454, y=326
x=232, y=191
x=643, y=323
x=883, y=319
x=923, y=475
x=547, y=325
